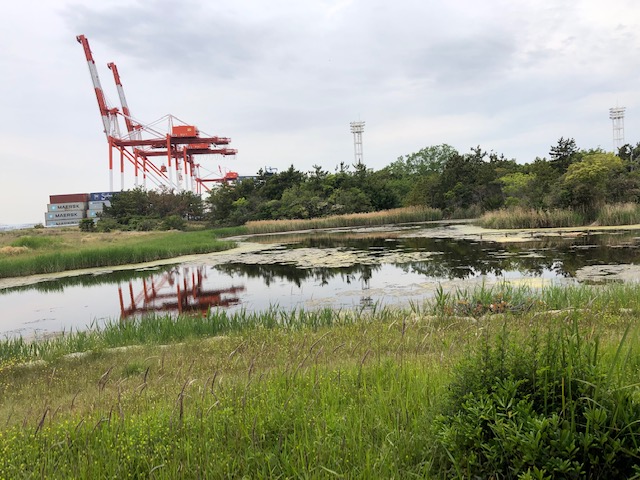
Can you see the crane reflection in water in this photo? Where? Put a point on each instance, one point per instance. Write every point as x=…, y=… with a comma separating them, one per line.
x=181, y=290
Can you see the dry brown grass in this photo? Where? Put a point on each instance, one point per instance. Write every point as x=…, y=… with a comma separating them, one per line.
x=8, y=250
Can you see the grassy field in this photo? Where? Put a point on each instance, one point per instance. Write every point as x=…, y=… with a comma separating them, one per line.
x=27, y=252
x=496, y=382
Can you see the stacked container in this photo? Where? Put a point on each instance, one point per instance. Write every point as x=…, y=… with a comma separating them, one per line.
x=66, y=209
x=97, y=202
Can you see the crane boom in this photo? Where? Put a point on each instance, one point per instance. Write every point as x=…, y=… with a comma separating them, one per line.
x=144, y=143
x=109, y=119
x=132, y=127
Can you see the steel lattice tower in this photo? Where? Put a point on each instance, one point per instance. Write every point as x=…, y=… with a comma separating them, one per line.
x=357, y=128
x=617, y=117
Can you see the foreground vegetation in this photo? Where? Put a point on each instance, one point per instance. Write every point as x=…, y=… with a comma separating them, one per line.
x=48, y=251
x=496, y=382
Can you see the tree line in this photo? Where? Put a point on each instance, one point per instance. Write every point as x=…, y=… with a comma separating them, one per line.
x=461, y=185
x=438, y=177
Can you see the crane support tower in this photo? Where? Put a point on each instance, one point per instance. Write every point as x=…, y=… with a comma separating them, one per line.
x=162, y=152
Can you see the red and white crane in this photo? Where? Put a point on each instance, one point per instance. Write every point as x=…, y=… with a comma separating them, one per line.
x=147, y=146
x=132, y=127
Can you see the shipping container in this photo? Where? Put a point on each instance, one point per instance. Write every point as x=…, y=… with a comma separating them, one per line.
x=98, y=205
x=69, y=197
x=93, y=213
x=65, y=215
x=58, y=207
x=184, y=131
x=101, y=196
x=62, y=223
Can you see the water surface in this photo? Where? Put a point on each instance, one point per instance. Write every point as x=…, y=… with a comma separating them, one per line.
x=342, y=269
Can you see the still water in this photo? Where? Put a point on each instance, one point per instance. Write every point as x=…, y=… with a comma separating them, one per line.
x=343, y=269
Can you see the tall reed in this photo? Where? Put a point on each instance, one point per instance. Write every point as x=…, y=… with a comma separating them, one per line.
x=519, y=217
x=619, y=214
x=398, y=215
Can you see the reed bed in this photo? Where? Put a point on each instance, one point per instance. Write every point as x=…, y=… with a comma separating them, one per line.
x=519, y=217
x=398, y=215
x=619, y=214
x=49, y=255
x=507, y=298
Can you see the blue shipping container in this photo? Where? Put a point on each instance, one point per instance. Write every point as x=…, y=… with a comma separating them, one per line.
x=101, y=196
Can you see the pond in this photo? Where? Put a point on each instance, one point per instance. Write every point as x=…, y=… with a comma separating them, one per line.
x=356, y=268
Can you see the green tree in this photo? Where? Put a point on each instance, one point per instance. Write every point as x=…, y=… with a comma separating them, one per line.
x=589, y=181
x=516, y=188
x=563, y=154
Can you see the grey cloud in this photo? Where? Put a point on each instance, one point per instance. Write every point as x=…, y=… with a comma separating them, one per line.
x=162, y=37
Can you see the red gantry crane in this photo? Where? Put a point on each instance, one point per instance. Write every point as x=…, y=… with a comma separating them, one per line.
x=164, y=156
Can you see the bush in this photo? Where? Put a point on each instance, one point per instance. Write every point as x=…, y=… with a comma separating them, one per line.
x=87, y=225
x=144, y=224
x=547, y=408
x=107, y=225
x=174, y=222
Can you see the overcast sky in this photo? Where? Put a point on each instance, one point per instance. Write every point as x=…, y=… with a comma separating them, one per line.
x=283, y=79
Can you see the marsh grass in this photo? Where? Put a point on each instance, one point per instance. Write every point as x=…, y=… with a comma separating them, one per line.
x=399, y=215
x=519, y=217
x=619, y=214
x=507, y=298
x=36, y=242
x=288, y=400
x=60, y=253
x=347, y=394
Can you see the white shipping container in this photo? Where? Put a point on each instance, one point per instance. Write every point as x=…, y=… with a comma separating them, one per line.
x=93, y=213
x=62, y=223
x=65, y=215
x=57, y=207
x=99, y=205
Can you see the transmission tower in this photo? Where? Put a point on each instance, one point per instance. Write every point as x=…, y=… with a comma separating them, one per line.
x=616, y=115
x=357, y=128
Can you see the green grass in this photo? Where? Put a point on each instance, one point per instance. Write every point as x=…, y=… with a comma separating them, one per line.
x=399, y=215
x=54, y=254
x=507, y=298
x=382, y=393
x=36, y=243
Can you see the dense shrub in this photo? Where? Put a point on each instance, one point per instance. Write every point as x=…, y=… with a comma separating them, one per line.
x=87, y=225
x=107, y=225
x=545, y=408
x=174, y=222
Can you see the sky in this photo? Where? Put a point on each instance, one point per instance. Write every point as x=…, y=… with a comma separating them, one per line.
x=284, y=79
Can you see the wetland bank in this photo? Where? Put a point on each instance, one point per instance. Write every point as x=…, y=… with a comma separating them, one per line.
x=359, y=392
x=338, y=268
